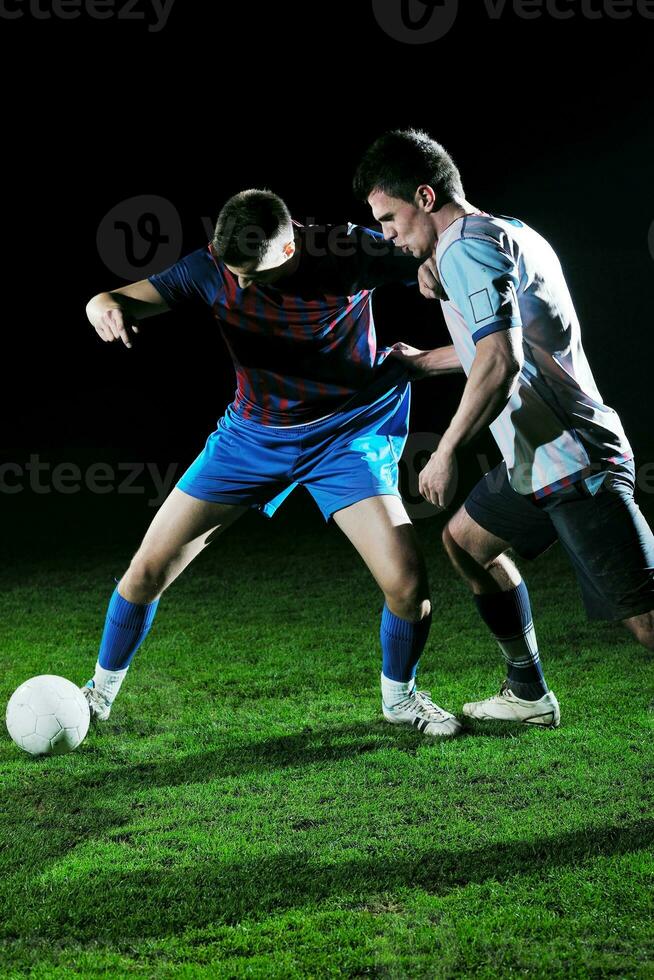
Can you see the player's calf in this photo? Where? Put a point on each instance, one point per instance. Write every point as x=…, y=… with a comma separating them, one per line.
x=126, y=626
x=642, y=628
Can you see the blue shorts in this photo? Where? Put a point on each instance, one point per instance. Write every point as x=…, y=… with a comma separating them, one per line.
x=347, y=457
x=608, y=541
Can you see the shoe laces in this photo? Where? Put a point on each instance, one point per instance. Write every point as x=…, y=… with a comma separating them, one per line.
x=93, y=695
x=422, y=704
x=500, y=696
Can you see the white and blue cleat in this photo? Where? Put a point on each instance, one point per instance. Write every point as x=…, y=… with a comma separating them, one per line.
x=99, y=706
x=418, y=710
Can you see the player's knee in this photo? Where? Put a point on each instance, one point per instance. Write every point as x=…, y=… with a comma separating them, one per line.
x=147, y=576
x=409, y=598
x=454, y=548
x=449, y=543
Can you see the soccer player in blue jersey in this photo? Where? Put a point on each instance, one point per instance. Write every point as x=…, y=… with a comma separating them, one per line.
x=317, y=404
x=568, y=469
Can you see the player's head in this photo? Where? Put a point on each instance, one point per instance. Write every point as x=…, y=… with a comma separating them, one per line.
x=254, y=237
x=407, y=177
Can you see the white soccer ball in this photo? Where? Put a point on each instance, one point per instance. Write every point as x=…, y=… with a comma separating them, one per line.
x=48, y=715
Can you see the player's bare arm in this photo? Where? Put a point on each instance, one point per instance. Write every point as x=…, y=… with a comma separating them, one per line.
x=493, y=376
x=427, y=363
x=113, y=314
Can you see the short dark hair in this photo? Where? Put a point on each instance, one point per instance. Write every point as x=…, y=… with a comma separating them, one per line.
x=245, y=226
x=400, y=161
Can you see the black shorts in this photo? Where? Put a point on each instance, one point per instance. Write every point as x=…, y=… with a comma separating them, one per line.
x=606, y=537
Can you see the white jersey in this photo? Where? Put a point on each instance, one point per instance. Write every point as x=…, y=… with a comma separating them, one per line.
x=500, y=274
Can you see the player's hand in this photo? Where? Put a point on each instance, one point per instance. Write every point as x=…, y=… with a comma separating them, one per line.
x=429, y=280
x=411, y=358
x=112, y=325
x=437, y=481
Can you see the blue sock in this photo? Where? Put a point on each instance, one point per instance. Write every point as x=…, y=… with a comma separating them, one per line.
x=508, y=616
x=402, y=645
x=125, y=628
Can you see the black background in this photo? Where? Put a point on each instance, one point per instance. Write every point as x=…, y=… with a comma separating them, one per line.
x=549, y=120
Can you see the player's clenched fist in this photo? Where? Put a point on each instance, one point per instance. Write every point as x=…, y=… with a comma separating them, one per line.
x=111, y=325
x=429, y=280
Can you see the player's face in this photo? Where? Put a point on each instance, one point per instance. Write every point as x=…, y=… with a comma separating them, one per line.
x=276, y=262
x=408, y=226
x=261, y=277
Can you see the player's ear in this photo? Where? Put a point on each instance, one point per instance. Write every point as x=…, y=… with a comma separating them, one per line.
x=425, y=198
x=289, y=250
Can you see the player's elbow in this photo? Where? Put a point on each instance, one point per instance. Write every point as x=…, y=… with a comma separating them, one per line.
x=511, y=366
x=505, y=353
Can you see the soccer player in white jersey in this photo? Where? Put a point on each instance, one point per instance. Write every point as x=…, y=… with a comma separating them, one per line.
x=568, y=469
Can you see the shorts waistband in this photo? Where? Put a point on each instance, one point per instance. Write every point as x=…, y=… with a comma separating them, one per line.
x=339, y=417
x=279, y=431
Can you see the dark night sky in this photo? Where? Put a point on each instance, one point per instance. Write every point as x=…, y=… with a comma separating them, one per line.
x=548, y=119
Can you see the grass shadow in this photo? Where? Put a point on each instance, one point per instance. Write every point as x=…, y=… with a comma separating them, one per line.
x=164, y=901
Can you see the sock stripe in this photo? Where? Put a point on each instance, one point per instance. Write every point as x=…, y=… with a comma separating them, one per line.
x=508, y=616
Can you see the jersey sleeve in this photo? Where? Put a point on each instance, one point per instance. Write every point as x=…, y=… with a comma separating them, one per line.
x=369, y=260
x=482, y=280
x=194, y=279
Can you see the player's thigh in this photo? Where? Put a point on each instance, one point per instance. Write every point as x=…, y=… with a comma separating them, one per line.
x=611, y=548
x=495, y=518
x=381, y=531
x=182, y=527
x=480, y=544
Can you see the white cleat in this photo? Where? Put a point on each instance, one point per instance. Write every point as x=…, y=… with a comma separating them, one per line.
x=99, y=707
x=418, y=709
x=505, y=706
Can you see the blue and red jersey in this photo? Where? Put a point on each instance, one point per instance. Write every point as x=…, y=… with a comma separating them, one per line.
x=305, y=346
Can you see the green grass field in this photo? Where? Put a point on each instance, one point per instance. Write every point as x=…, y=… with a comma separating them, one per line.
x=246, y=812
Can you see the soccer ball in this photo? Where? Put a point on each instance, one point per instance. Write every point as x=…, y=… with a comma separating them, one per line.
x=48, y=715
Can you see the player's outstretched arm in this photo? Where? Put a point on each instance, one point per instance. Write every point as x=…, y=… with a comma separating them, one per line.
x=427, y=363
x=114, y=314
x=493, y=376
